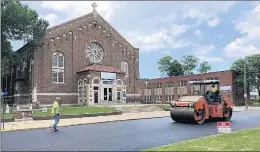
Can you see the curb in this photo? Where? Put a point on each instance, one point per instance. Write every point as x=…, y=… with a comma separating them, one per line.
x=82, y=124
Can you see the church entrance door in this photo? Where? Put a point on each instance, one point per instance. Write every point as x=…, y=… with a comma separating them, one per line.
x=110, y=94
x=105, y=93
x=95, y=96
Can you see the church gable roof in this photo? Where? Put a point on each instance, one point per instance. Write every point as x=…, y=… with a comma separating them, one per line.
x=97, y=15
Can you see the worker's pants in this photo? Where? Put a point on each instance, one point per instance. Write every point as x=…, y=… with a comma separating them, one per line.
x=56, y=120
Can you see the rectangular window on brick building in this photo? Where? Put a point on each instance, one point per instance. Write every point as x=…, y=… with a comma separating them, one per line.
x=169, y=85
x=148, y=86
x=185, y=83
x=182, y=83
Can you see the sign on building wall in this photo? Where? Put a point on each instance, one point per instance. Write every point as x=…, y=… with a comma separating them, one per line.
x=225, y=88
x=108, y=76
x=124, y=94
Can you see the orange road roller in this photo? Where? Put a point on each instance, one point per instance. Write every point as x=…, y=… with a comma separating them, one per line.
x=201, y=105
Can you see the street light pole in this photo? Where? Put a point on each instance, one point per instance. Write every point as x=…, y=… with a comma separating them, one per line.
x=245, y=90
x=146, y=96
x=134, y=78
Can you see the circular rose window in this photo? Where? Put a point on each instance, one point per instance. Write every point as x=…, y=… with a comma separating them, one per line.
x=94, y=52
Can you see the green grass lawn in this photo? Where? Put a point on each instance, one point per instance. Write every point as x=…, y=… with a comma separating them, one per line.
x=255, y=104
x=74, y=110
x=242, y=140
x=165, y=107
x=7, y=116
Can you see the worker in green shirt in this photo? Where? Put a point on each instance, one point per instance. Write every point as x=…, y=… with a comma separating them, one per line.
x=56, y=113
x=213, y=88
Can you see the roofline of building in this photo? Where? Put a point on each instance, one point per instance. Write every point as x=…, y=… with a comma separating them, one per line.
x=23, y=48
x=69, y=21
x=185, y=75
x=83, y=16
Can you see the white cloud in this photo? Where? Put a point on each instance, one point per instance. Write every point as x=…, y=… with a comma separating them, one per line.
x=203, y=49
x=257, y=8
x=52, y=18
x=178, y=30
x=204, y=11
x=56, y=5
x=202, y=52
x=160, y=39
x=210, y=59
x=248, y=43
x=214, y=22
x=67, y=10
x=197, y=32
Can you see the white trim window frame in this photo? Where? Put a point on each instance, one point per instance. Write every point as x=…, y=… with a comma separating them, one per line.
x=58, y=69
x=124, y=67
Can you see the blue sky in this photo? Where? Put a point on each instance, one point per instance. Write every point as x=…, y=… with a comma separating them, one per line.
x=217, y=32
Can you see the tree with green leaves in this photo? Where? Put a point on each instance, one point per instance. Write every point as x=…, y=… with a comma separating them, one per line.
x=175, y=69
x=164, y=65
x=254, y=71
x=238, y=67
x=204, y=67
x=21, y=23
x=189, y=63
x=252, y=64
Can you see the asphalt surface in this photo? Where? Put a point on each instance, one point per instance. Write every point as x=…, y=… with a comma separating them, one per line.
x=132, y=135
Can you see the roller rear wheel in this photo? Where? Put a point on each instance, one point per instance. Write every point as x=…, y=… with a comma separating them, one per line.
x=229, y=114
x=201, y=113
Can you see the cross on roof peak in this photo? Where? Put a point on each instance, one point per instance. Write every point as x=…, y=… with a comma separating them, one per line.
x=94, y=5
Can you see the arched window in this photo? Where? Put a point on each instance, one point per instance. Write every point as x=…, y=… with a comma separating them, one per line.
x=119, y=82
x=85, y=81
x=95, y=81
x=124, y=67
x=58, y=67
x=80, y=82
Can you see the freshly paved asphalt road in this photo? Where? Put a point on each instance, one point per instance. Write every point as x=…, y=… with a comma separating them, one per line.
x=132, y=135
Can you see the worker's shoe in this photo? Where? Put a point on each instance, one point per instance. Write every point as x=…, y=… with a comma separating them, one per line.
x=54, y=129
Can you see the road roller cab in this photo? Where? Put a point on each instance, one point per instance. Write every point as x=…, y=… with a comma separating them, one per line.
x=201, y=104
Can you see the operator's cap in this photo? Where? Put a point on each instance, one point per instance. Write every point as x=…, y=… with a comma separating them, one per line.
x=58, y=98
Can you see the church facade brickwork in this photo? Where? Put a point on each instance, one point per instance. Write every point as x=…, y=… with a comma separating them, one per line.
x=56, y=67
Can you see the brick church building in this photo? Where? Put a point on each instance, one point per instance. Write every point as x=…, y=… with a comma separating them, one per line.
x=84, y=61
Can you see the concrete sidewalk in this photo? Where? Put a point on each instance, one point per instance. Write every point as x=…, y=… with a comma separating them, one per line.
x=243, y=108
x=25, y=125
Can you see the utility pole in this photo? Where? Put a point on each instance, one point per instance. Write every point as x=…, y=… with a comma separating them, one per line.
x=245, y=90
x=134, y=78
